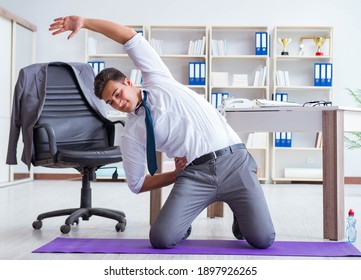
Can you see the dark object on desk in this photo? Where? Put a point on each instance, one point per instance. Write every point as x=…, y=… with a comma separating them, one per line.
x=72, y=132
x=317, y=103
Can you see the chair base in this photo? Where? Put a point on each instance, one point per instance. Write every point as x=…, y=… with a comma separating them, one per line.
x=85, y=211
x=85, y=214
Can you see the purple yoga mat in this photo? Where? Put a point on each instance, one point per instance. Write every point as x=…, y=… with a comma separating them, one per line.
x=199, y=247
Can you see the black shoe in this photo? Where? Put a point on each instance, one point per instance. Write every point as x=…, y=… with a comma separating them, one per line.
x=188, y=233
x=235, y=229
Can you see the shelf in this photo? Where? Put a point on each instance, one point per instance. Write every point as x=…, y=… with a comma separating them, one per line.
x=283, y=179
x=243, y=87
x=103, y=55
x=168, y=28
x=299, y=57
x=290, y=149
x=296, y=70
x=257, y=57
x=183, y=56
x=302, y=88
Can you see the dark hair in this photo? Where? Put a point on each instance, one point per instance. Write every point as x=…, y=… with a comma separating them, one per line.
x=103, y=77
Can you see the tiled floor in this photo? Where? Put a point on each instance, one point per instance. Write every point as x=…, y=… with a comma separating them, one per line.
x=296, y=211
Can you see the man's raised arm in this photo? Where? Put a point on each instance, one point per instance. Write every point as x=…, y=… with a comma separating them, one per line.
x=112, y=30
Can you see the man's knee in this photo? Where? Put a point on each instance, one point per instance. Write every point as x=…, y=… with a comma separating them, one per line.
x=263, y=241
x=161, y=239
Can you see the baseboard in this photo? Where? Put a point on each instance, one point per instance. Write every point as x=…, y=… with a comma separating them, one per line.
x=54, y=176
x=353, y=180
x=20, y=176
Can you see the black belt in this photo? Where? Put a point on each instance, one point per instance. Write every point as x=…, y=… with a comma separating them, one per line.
x=216, y=154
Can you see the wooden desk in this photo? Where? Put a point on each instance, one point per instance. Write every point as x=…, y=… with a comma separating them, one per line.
x=332, y=121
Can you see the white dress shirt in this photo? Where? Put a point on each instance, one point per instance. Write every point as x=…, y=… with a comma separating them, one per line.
x=185, y=124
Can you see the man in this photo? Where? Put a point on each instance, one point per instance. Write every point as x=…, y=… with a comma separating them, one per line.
x=211, y=163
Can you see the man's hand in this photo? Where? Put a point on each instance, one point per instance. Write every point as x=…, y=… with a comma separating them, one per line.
x=180, y=163
x=112, y=30
x=69, y=23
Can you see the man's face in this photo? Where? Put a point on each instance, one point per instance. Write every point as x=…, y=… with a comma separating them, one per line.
x=121, y=96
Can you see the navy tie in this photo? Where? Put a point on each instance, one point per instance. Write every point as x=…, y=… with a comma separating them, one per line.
x=151, y=153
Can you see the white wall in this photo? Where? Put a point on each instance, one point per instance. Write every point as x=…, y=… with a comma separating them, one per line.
x=344, y=16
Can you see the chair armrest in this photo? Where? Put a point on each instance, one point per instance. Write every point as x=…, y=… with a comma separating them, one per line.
x=111, y=129
x=115, y=122
x=51, y=137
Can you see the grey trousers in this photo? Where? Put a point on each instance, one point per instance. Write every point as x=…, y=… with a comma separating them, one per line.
x=230, y=178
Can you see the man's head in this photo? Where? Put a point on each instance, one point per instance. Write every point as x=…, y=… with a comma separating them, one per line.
x=103, y=77
x=117, y=90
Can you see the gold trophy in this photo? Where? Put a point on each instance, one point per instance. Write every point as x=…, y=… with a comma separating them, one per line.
x=284, y=42
x=319, y=43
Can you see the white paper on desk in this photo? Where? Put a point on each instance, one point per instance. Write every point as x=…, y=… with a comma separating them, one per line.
x=273, y=103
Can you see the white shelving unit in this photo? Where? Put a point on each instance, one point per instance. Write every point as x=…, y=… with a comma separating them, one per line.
x=173, y=44
x=234, y=56
x=232, y=51
x=303, y=157
x=239, y=58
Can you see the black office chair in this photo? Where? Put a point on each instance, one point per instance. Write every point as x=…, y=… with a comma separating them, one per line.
x=71, y=134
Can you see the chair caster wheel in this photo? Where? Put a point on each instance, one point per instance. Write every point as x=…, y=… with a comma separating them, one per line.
x=37, y=224
x=65, y=229
x=120, y=227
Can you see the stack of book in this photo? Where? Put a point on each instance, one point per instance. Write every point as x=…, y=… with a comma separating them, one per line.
x=261, y=43
x=217, y=98
x=282, y=139
x=257, y=140
x=219, y=79
x=260, y=77
x=282, y=78
x=197, y=47
x=309, y=173
x=92, y=46
x=97, y=66
x=280, y=96
x=319, y=140
x=197, y=73
x=240, y=80
x=219, y=47
x=135, y=76
x=323, y=74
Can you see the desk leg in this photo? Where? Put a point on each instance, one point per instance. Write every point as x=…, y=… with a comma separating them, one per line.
x=215, y=210
x=155, y=204
x=333, y=174
x=156, y=195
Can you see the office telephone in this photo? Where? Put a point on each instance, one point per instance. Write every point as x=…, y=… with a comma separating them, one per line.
x=234, y=103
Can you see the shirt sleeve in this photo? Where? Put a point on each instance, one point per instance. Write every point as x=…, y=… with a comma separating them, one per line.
x=134, y=163
x=145, y=58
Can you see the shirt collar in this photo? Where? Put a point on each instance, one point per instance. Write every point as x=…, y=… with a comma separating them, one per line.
x=139, y=105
